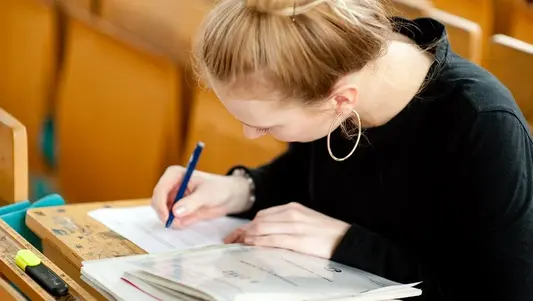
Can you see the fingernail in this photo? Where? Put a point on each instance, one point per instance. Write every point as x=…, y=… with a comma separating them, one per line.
x=179, y=211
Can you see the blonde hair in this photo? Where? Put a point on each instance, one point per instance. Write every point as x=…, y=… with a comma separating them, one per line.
x=299, y=48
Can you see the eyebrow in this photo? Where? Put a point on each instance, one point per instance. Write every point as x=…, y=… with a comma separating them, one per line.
x=254, y=126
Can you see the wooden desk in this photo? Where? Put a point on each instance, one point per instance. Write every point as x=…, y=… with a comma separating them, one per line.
x=70, y=236
x=10, y=243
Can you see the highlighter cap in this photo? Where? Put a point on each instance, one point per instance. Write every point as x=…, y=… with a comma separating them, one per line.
x=26, y=258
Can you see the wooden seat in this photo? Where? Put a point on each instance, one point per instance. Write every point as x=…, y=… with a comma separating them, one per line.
x=9, y=293
x=28, y=64
x=522, y=21
x=511, y=60
x=118, y=112
x=90, y=5
x=465, y=36
x=224, y=138
x=410, y=9
x=168, y=24
x=13, y=160
x=478, y=11
x=172, y=25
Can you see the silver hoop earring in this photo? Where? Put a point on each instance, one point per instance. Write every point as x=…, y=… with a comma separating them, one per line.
x=356, y=142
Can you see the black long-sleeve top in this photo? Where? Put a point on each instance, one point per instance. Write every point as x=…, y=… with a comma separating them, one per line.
x=440, y=194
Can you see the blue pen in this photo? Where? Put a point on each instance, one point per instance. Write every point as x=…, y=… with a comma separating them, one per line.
x=188, y=173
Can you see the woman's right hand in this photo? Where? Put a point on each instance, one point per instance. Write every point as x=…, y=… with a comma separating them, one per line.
x=208, y=196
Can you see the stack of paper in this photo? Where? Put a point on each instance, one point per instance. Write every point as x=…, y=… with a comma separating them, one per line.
x=235, y=272
x=193, y=264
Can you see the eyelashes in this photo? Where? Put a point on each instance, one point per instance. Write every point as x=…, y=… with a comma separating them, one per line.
x=262, y=130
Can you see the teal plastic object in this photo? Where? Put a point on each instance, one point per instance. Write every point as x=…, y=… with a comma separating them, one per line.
x=40, y=187
x=14, y=207
x=17, y=219
x=48, y=144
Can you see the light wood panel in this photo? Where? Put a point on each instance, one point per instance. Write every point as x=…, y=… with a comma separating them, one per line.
x=511, y=60
x=13, y=160
x=28, y=64
x=465, y=36
x=118, y=112
x=169, y=24
x=522, y=21
x=8, y=293
x=478, y=11
x=10, y=243
x=410, y=9
x=172, y=25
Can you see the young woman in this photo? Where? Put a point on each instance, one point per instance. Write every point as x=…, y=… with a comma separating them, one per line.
x=405, y=160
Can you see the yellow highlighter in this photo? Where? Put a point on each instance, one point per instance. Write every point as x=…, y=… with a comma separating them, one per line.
x=46, y=278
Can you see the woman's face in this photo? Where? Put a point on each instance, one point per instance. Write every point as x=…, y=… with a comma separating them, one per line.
x=286, y=121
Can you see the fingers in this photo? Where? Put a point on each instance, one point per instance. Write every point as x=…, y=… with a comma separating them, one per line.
x=203, y=213
x=293, y=212
x=289, y=242
x=271, y=228
x=290, y=207
x=191, y=205
x=166, y=184
x=236, y=236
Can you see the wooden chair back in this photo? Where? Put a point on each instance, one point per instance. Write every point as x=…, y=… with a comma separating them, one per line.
x=90, y=5
x=8, y=292
x=13, y=160
x=168, y=24
x=223, y=136
x=410, y=9
x=511, y=61
x=118, y=112
x=465, y=36
x=522, y=21
x=478, y=11
x=28, y=64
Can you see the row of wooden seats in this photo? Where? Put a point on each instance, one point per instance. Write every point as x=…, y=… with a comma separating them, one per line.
x=507, y=57
x=510, y=17
x=120, y=105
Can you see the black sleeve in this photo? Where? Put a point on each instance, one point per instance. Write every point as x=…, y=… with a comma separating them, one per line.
x=494, y=246
x=281, y=181
x=497, y=240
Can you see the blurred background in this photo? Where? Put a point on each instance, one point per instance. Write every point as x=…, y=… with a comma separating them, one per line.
x=107, y=95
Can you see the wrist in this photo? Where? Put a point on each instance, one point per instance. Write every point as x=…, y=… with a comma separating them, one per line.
x=243, y=189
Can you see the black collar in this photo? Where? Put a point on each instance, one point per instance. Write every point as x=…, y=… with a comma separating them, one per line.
x=427, y=33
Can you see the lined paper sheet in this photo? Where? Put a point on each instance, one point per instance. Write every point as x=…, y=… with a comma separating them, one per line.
x=142, y=227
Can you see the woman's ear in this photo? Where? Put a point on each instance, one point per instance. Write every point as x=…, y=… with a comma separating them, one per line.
x=345, y=98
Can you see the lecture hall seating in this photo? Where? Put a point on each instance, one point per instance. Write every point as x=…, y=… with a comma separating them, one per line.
x=465, y=36
x=118, y=112
x=410, y=9
x=8, y=292
x=511, y=60
x=478, y=11
x=173, y=25
x=168, y=24
x=28, y=64
x=13, y=160
x=522, y=21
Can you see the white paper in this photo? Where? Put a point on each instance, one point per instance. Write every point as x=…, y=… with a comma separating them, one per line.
x=234, y=273
x=141, y=226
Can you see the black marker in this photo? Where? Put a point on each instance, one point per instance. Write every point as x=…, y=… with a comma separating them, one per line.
x=46, y=278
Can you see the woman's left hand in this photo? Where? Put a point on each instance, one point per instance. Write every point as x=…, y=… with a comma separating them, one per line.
x=294, y=227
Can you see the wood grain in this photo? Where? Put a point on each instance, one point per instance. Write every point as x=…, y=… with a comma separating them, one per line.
x=10, y=243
